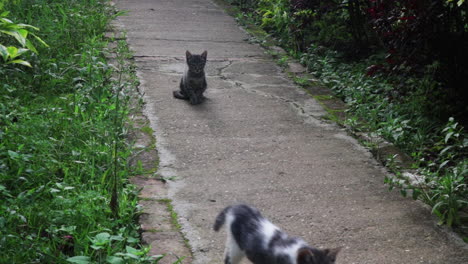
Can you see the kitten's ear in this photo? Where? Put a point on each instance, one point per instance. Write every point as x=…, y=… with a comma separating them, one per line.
x=188, y=55
x=331, y=253
x=304, y=255
x=204, y=54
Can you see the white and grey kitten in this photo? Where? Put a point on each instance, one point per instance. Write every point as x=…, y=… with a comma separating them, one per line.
x=253, y=236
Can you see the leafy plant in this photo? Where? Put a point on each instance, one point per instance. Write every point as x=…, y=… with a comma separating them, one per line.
x=448, y=198
x=63, y=149
x=104, y=253
x=453, y=145
x=20, y=32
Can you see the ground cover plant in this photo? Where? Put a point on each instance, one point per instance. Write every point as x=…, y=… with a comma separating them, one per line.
x=64, y=192
x=401, y=66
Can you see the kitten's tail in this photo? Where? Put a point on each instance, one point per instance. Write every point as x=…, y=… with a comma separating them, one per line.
x=221, y=218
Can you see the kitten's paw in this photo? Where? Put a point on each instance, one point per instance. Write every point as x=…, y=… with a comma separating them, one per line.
x=195, y=100
x=179, y=95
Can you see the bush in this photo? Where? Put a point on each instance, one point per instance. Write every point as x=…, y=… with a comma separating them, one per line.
x=417, y=33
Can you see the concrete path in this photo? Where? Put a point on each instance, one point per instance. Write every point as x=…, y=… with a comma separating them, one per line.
x=259, y=139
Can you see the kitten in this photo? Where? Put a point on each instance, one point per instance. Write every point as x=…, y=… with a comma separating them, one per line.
x=251, y=235
x=193, y=82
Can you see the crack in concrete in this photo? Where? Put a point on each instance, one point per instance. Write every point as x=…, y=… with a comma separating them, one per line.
x=301, y=109
x=221, y=70
x=251, y=89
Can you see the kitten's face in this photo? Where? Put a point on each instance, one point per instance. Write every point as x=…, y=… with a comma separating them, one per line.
x=317, y=256
x=196, y=63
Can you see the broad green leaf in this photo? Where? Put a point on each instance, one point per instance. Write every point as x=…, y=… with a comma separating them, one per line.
x=13, y=155
x=21, y=62
x=101, y=239
x=23, y=33
x=27, y=26
x=445, y=150
x=18, y=34
x=79, y=259
x=115, y=260
x=133, y=251
x=448, y=136
x=4, y=52
x=6, y=20
x=96, y=247
x=21, y=51
x=435, y=208
x=4, y=191
x=443, y=164
x=39, y=39
x=12, y=51
x=132, y=240
x=30, y=46
x=117, y=238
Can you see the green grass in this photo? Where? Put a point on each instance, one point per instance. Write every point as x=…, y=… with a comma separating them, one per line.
x=174, y=216
x=147, y=130
x=63, y=153
x=175, y=220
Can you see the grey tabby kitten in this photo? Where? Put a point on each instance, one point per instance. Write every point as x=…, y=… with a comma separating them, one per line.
x=193, y=83
x=251, y=235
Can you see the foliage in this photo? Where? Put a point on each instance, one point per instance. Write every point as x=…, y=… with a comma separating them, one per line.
x=448, y=198
x=299, y=23
x=418, y=33
x=441, y=150
x=63, y=147
x=20, y=32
